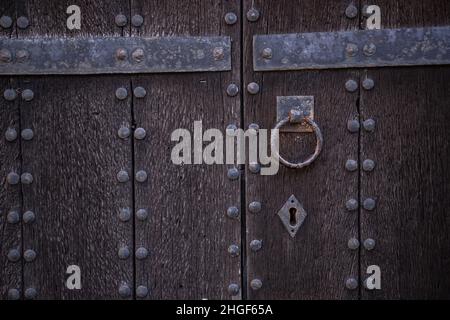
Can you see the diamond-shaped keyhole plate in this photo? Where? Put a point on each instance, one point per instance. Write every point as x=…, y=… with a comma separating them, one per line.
x=292, y=215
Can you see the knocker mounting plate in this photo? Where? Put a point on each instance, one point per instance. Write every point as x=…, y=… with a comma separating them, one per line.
x=304, y=104
x=292, y=215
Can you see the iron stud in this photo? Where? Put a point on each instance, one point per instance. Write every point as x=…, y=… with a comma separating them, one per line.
x=13, y=178
x=351, y=204
x=253, y=88
x=233, y=289
x=139, y=133
x=13, y=217
x=138, y=55
x=254, y=207
x=28, y=217
x=368, y=165
x=141, y=253
x=353, y=126
x=267, y=53
x=22, y=55
x=13, y=255
x=353, y=243
x=351, y=11
x=232, y=90
x=252, y=15
x=121, y=93
x=369, y=204
x=233, y=250
x=255, y=245
x=141, y=291
x=369, y=125
x=29, y=255
x=351, y=283
x=218, y=53
x=351, y=49
x=256, y=284
x=5, y=56
x=6, y=22
x=10, y=134
x=124, y=291
x=137, y=20
x=121, y=54
x=254, y=167
x=26, y=178
x=27, y=134
x=139, y=92
x=122, y=176
x=230, y=18
x=27, y=95
x=368, y=84
x=254, y=127
x=231, y=129
x=23, y=22
x=125, y=214
x=233, y=212
x=13, y=294
x=10, y=94
x=142, y=214
x=124, y=253
x=369, y=49
x=351, y=165
x=351, y=85
x=369, y=244
x=120, y=20
x=123, y=132
x=233, y=174
x=141, y=176
x=30, y=293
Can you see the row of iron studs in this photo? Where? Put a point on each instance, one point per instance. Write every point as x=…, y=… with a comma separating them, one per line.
x=234, y=173
x=13, y=178
x=125, y=214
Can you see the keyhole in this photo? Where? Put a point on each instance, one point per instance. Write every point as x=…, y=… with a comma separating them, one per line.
x=293, y=216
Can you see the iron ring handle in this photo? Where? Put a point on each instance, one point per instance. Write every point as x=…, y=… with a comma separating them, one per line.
x=308, y=161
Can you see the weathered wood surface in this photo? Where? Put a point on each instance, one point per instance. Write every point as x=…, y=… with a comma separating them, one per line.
x=410, y=182
x=187, y=232
x=74, y=158
x=316, y=263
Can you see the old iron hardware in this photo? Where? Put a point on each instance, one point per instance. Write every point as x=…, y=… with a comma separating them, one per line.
x=296, y=112
x=352, y=49
x=111, y=55
x=304, y=104
x=292, y=215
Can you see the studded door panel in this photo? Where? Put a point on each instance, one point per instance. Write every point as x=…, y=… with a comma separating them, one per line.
x=317, y=262
x=187, y=232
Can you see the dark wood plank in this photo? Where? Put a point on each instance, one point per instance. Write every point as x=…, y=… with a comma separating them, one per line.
x=10, y=195
x=187, y=232
x=316, y=263
x=410, y=182
x=74, y=158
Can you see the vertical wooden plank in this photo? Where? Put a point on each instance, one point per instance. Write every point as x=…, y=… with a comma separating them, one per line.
x=10, y=196
x=187, y=232
x=410, y=148
x=74, y=158
x=316, y=263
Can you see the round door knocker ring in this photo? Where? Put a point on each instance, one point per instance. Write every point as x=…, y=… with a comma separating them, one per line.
x=308, y=161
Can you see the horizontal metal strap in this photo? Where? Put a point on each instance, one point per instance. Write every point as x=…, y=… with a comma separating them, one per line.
x=111, y=55
x=352, y=49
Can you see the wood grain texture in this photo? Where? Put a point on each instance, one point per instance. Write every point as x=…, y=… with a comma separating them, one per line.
x=74, y=158
x=187, y=232
x=10, y=195
x=316, y=263
x=411, y=179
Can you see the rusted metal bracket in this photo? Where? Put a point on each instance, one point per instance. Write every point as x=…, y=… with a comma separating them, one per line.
x=352, y=49
x=303, y=104
x=110, y=55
